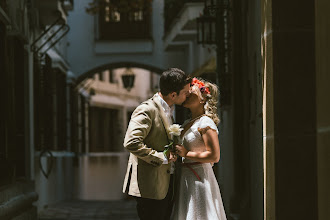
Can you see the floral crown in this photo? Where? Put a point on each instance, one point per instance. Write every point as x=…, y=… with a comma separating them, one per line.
x=200, y=85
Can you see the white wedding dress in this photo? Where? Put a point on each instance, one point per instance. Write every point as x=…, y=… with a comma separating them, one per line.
x=198, y=199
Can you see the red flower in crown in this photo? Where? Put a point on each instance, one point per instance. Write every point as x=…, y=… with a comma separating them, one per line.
x=200, y=85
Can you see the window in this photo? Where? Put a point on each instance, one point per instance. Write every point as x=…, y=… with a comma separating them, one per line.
x=124, y=20
x=82, y=106
x=13, y=137
x=129, y=115
x=101, y=78
x=50, y=109
x=154, y=80
x=73, y=100
x=104, y=130
x=61, y=128
x=111, y=76
x=96, y=76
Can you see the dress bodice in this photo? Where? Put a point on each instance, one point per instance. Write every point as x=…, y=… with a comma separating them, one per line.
x=192, y=138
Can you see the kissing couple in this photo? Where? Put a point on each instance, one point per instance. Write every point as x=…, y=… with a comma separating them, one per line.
x=166, y=187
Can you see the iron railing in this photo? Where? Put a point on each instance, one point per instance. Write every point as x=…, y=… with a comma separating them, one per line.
x=117, y=23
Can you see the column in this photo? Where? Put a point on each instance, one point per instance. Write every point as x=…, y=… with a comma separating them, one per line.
x=322, y=33
x=290, y=146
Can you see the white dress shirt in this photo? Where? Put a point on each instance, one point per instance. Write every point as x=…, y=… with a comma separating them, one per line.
x=169, y=111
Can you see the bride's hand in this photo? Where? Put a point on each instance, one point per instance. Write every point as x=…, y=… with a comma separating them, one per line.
x=180, y=150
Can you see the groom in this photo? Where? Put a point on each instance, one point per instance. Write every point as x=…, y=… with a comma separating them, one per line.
x=149, y=171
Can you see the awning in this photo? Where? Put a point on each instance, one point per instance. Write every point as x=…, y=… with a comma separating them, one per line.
x=183, y=30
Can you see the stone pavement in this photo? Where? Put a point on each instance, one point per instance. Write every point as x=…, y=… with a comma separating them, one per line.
x=91, y=210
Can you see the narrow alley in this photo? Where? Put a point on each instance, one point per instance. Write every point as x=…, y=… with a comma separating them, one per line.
x=73, y=72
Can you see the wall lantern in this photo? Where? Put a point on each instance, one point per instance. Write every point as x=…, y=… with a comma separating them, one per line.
x=206, y=24
x=128, y=78
x=211, y=7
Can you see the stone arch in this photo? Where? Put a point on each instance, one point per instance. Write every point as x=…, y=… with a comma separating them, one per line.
x=118, y=65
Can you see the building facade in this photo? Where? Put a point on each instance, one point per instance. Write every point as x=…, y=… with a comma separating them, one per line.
x=65, y=106
x=34, y=72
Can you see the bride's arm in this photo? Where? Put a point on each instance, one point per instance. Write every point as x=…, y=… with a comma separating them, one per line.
x=212, y=153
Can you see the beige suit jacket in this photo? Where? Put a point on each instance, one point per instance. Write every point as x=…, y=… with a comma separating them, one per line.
x=145, y=139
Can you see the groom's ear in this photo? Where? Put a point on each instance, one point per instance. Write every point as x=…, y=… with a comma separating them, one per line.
x=173, y=95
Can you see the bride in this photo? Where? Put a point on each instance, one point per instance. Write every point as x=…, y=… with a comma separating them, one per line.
x=199, y=195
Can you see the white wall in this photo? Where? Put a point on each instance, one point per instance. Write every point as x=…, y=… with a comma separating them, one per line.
x=59, y=185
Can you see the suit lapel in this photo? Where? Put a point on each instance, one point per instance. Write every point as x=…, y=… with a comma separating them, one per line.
x=162, y=115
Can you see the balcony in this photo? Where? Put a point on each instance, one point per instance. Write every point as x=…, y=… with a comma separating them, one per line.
x=124, y=28
x=51, y=10
x=116, y=22
x=180, y=22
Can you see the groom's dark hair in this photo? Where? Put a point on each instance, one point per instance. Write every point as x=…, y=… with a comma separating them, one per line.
x=173, y=80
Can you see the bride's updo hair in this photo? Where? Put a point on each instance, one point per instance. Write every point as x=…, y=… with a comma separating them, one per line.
x=209, y=94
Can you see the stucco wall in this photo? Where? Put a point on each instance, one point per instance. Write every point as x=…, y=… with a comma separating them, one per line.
x=59, y=185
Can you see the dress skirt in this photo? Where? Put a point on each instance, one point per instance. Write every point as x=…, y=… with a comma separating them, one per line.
x=198, y=199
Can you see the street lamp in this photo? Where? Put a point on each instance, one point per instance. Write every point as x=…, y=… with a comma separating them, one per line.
x=211, y=7
x=206, y=30
x=206, y=25
x=128, y=78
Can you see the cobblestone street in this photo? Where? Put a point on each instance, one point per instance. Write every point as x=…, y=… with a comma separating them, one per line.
x=90, y=210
